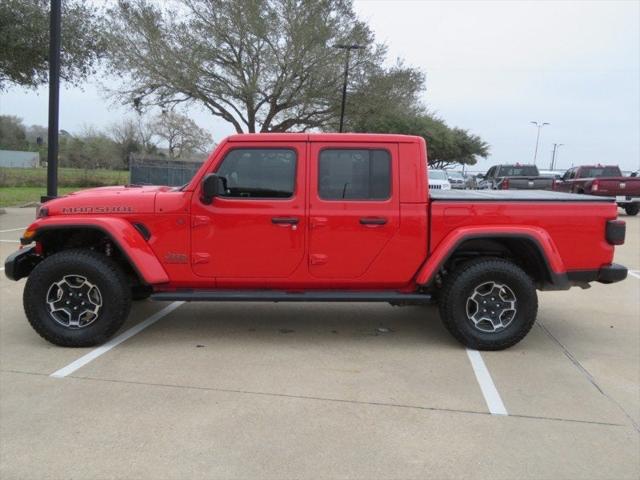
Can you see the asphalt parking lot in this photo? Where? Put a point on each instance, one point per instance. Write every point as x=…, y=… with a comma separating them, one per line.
x=325, y=391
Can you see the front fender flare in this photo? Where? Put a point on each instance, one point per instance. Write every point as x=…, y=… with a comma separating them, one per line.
x=122, y=233
x=448, y=245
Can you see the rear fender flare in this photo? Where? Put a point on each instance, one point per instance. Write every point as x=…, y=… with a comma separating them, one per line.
x=447, y=247
x=122, y=233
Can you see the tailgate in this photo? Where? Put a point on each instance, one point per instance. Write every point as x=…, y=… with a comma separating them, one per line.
x=530, y=183
x=623, y=186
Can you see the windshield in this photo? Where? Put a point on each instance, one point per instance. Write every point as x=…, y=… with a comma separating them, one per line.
x=518, y=171
x=594, y=172
x=456, y=176
x=437, y=175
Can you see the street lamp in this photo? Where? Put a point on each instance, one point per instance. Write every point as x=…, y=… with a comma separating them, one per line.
x=54, y=100
x=556, y=147
x=348, y=48
x=539, y=125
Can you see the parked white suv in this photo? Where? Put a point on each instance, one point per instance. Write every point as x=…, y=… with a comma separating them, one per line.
x=439, y=180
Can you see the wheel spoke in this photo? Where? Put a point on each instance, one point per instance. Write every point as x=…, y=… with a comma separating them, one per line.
x=74, y=302
x=491, y=306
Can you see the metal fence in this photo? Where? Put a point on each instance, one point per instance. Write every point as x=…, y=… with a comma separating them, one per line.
x=146, y=171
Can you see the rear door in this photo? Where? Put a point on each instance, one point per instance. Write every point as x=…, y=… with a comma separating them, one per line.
x=257, y=228
x=353, y=206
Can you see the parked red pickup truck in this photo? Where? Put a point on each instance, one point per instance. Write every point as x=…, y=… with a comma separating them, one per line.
x=604, y=181
x=312, y=217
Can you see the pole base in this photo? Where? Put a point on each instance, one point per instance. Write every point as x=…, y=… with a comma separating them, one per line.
x=46, y=198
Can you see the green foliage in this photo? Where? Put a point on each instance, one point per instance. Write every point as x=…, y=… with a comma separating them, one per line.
x=67, y=177
x=24, y=48
x=16, y=196
x=445, y=146
x=261, y=65
x=91, y=149
x=113, y=148
x=13, y=135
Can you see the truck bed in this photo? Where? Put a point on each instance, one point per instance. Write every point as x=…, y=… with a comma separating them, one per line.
x=512, y=196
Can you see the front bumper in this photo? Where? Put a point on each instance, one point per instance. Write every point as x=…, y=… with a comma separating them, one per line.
x=19, y=264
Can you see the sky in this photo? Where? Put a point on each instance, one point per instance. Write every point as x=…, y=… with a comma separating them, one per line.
x=491, y=68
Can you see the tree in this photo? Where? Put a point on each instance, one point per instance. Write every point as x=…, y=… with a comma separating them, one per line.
x=12, y=133
x=182, y=135
x=261, y=65
x=90, y=149
x=126, y=137
x=24, y=49
x=445, y=146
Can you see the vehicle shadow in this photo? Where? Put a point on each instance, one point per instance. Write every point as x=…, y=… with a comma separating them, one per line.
x=303, y=322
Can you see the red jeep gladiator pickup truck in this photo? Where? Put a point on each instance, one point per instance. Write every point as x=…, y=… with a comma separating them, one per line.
x=603, y=181
x=312, y=217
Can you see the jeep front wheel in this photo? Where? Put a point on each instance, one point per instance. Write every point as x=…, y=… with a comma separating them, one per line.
x=489, y=304
x=77, y=298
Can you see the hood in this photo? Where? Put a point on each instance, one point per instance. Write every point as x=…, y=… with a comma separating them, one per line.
x=106, y=200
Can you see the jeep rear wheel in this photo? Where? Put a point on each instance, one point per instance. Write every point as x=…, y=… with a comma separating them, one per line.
x=77, y=298
x=489, y=304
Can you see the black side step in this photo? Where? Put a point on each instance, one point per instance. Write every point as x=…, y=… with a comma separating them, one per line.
x=285, y=296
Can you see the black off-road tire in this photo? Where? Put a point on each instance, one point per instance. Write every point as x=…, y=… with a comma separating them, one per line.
x=632, y=209
x=98, y=269
x=461, y=283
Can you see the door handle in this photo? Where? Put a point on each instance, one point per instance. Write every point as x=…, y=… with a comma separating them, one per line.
x=373, y=221
x=285, y=220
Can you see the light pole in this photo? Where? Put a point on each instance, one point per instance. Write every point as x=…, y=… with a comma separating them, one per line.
x=348, y=48
x=539, y=125
x=54, y=101
x=556, y=147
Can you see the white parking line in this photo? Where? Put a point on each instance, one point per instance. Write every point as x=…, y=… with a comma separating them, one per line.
x=489, y=390
x=634, y=273
x=101, y=350
x=13, y=230
x=9, y=241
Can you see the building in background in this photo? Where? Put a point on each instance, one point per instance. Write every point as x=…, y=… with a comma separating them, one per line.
x=16, y=159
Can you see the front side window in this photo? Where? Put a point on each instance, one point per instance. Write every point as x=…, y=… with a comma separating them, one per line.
x=259, y=173
x=350, y=174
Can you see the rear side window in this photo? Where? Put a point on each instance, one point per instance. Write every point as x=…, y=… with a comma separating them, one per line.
x=345, y=174
x=259, y=173
x=518, y=171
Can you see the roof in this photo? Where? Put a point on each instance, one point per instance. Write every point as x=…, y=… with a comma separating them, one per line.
x=324, y=137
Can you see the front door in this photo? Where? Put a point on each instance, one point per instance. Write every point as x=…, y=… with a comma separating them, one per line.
x=257, y=228
x=353, y=207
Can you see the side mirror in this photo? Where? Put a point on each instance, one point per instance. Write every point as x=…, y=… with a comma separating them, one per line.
x=212, y=186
